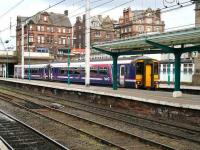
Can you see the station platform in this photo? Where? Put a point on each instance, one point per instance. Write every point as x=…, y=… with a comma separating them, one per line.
x=187, y=101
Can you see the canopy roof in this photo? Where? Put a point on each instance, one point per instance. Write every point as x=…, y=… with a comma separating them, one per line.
x=147, y=43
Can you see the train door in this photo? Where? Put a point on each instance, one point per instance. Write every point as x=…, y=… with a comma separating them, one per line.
x=148, y=79
x=49, y=74
x=122, y=74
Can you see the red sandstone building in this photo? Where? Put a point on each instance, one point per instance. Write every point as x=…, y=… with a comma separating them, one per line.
x=101, y=30
x=49, y=35
x=137, y=22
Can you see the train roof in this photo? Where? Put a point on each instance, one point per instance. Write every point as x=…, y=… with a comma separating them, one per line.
x=82, y=64
x=34, y=66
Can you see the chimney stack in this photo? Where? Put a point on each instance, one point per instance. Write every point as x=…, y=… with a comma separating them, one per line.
x=66, y=12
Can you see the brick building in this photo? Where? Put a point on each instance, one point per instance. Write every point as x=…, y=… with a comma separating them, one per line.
x=101, y=30
x=137, y=22
x=49, y=37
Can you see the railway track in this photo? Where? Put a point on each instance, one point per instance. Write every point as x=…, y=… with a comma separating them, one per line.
x=168, y=129
x=105, y=133
x=17, y=135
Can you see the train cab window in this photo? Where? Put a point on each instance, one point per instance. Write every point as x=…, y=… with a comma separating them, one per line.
x=155, y=69
x=139, y=67
x=103, y=71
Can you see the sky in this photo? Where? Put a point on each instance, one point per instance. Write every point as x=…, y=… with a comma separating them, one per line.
x=113, y=8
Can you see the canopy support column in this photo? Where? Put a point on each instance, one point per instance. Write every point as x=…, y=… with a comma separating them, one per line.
x=177, y=92
x=114, y=71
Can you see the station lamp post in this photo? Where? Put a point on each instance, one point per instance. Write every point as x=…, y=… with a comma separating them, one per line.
x=7, y=41
x=68, y=61
x=29, y=69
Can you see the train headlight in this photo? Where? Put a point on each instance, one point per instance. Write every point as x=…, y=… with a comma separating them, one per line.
x=138, y=82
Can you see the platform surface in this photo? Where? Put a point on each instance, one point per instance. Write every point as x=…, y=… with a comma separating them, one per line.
x=156, y=97
x=171, y=86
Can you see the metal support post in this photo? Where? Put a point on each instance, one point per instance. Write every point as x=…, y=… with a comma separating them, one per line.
x=114, y=71
x=68, y=71
x=87, y=44
x=22, y=52
x=29, y=63
x=7, y=63
x=168, y=70
x=177, y=92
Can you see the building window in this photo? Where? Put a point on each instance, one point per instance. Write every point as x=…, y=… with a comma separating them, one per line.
x=68, y=30
x=49, y=39
x=45, y=18
x=38, y=28
x=148, y=29
x=30, y=27
x=48, y=29
x=107, y=35
x=63, y=40
x=42, y=39
x=42, y=28
x=31, y=39
x=157, y=29
x=64, y=30
x=79, y=27
x=97, y=34
x=79, y=36
x=38, y=39
x=59, y=30
x=51, y=29
x=140, y=29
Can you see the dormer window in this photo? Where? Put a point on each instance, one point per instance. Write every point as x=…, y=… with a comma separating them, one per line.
x=45, y=18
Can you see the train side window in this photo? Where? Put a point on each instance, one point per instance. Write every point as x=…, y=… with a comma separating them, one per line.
x=139, y=67
x=155, y=68
x=93, y=70
x=62, y=71
x=76, y=71
x=103, y=71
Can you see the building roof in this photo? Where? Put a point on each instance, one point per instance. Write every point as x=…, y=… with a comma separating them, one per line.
x=54, y=19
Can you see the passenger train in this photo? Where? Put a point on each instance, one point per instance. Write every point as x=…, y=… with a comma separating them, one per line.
x=141, y=72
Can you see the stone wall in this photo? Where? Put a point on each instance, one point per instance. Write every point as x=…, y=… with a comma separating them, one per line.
x=196, y=76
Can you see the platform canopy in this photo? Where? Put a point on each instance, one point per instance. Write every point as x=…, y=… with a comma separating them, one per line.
x=176, y=42
x=151, y=43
